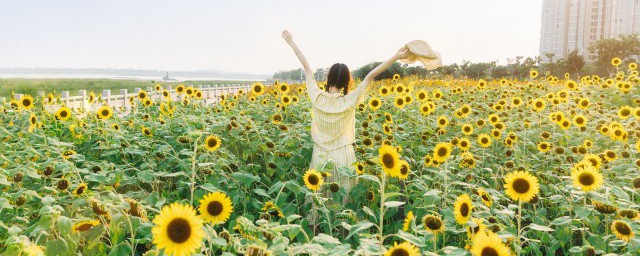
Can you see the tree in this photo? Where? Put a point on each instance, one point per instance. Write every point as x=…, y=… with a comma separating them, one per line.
x=624, y=47
x=574, y=63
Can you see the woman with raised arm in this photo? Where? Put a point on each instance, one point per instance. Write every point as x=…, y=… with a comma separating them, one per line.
x=333, y=113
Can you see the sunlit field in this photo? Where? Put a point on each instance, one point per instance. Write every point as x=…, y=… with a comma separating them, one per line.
x=540, y=166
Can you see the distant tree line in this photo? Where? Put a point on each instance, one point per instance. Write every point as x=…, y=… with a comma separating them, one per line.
x=625, y=47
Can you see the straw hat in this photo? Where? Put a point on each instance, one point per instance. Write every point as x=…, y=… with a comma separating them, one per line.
x=421, y=51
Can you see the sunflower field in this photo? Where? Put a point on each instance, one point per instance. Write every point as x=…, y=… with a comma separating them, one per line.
x=542, y=166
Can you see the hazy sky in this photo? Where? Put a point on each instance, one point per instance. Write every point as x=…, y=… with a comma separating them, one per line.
x=245, y=35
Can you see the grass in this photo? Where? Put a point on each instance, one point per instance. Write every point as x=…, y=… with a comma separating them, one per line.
x=32, y=86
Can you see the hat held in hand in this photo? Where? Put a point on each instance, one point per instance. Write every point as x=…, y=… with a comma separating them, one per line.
x=421, y=51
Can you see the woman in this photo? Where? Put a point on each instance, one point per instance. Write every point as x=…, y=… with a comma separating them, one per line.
x=333, y=112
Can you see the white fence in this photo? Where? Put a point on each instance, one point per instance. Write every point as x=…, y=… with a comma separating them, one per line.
x=210, y=94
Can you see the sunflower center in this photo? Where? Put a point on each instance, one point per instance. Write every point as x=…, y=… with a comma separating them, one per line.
x=521, y=185
x=475, y=229
x=442, y=151
x=623, y=228
x=404, y=170
x=63, y=114
x=214, y=208
x=586, y=179
x=313, y=179
x=485, y=197
x=80, y=191
x=179, y=230
x=212, y=143
x=433, y=223
x=489, y=251
x=538, y=104
x=464, y=209
x=374, y=103
x=105, y=112
x=484, y=140
x=26, y=102
x=388, y=161
x=400, y=252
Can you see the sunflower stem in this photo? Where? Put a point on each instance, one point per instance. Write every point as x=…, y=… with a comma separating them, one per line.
x=519, y=217
x=381, y=218
x=193, y=168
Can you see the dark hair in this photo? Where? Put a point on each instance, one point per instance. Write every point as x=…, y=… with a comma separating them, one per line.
x=339, y=77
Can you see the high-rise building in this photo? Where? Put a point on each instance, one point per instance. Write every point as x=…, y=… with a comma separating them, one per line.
x=569, y=25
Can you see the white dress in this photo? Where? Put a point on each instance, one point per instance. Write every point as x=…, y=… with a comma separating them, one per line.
x=333, y=130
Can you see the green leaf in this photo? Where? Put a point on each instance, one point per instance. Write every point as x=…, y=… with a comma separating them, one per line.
x=370, y=177
x=245, y=178
x=540, y=228
x=392, y=204
x=56, y=247
x=121, y=249
x=561, y=221
x=359, y=227
x=411, y=238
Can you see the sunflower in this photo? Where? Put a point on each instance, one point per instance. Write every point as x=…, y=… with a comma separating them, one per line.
x=442, y=121
x=33, y=120
x=407, y=221
x=313, y=179
x=272, y=209
x=276, y=118
x=257, y=89
x=484, y=140
x=442, y=151
x=544, y=146
x=84, y=225
x=481, y=83
x=433, y=224
x=105, y=112
x=63, y=113
x=404, y=249
x=603, y=207
x=180, y=88
x=359, y=168
x=215, y=208
x=610, y=155
x=26, y=102
x=399, y=102
x=375, y=103
x=587, y=178
x=485, y=197
x=396, y=77
x=533, y=74
x=488, y=243
x=286, y=100
x=404, y=170
x=142, y=94
x=616, y=62
x=624, y=112
x=467, y=129
x=622, y=230
x=538, y=105
x=464, y=144
x=384, y=91
x=80, y=190
x=594, y=160
x=462, y=209
x=146, y=131
x=33, y=250
x=521, y=186
x=178, y=230
x=479, y=228
x=390, y=160
x=212, y=143
x=580, y=120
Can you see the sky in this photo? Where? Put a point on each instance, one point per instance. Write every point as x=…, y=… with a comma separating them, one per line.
x=245, y=36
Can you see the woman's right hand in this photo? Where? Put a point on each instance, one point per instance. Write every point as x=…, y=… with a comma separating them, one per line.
x=402, y=53
x=288, y=37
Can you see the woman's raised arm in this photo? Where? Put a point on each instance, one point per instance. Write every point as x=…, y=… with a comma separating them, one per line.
x=400, y=54
x=288, y=37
